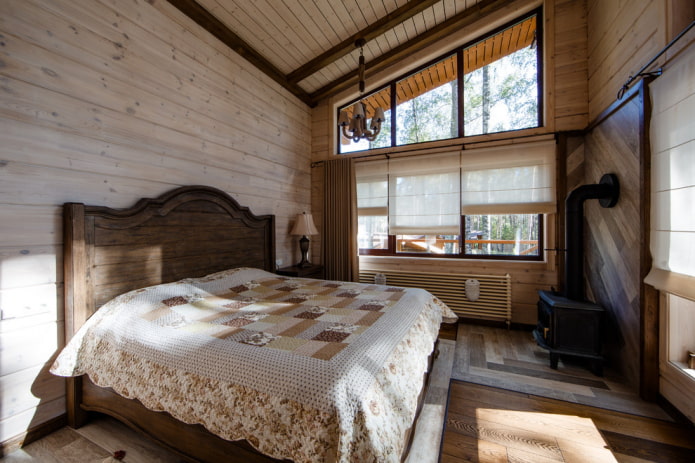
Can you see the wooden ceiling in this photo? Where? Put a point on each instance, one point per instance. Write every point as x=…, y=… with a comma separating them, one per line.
x=308, y=46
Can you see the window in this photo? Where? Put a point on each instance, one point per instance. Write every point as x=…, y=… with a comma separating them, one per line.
x=489, y=86
x=426, y=104
x=500, y=82
x=503, y=235
x=479, y=203
x=372, y=205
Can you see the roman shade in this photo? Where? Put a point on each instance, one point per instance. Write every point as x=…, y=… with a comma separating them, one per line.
x=672, y=137
x=372, y=187
x=510, y=179
x=424, y=194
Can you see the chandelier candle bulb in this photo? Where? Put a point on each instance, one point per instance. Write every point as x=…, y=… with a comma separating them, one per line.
x=379, y=115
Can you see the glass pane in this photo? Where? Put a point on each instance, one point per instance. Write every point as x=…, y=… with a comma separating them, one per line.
x=372, y=232
x=382, y=99
x=428, y=244
x=500, y=81
x=502, y=235
x=426, y=108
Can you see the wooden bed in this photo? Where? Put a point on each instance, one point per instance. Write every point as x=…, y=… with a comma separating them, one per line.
x=189, y=232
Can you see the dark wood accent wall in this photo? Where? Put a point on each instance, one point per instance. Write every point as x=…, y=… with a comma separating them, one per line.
x=616, y=239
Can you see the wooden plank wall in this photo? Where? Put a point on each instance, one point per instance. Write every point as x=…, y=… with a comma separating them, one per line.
x=104, y=102
x=623, y=37
x=613, y=237
x=568, y=84
x=565, y=93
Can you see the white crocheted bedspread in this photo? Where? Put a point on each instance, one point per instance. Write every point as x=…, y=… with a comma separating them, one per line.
x=310, y=370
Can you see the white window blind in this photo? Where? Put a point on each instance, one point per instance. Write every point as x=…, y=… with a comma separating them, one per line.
x=510, y=179
x=372, y=188
x=424, y=194
x=672, y=134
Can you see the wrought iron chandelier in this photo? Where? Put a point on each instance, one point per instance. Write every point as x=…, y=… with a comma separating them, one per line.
x=357, y=125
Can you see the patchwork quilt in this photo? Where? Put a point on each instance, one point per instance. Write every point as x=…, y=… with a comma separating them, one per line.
x=310, y=370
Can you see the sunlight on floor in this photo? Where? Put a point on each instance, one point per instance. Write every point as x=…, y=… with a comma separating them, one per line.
x=551, y=436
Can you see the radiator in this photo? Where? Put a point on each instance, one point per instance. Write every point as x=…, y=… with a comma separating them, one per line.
x=494, y=302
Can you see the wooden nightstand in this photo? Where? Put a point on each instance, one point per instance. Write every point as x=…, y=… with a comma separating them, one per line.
x=313, y=271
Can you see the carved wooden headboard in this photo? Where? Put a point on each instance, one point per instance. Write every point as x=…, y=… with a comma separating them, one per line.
x=188, y=232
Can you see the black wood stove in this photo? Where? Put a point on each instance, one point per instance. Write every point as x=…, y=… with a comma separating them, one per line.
x=568, y=324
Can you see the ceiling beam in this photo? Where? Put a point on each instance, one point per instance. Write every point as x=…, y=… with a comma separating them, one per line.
x=215, y=27
x=465, y=18
x=345, y=47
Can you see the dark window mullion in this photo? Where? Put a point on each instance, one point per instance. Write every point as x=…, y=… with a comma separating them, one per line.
x=539, y=66
x=459, y=71
x=393, y=114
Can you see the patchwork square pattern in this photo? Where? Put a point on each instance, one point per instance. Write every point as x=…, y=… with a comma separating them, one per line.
x=311, y=318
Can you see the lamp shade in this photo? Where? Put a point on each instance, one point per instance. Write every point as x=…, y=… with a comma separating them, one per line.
x=304, y=225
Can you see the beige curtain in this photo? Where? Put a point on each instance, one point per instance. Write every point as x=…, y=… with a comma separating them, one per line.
x=340, y=221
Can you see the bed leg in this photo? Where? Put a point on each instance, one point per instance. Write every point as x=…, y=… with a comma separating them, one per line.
x=76, y=416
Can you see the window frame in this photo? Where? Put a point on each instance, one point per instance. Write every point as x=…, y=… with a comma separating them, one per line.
x=458, y=52
x=391, y=249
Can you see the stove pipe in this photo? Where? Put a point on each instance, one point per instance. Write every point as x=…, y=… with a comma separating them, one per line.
x=607, y=192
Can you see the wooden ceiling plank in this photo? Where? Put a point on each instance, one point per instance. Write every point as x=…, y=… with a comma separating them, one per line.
x=290, y=35
x=516, y=37
x=506, y=40
x=429, y=16
x=452, y=67
x=419, y=24
x=489, y=50
x=238, y=20
x=348, y=45
x=449, y=8
x=336, y=25
x=215, y=27
x=401, y=32
x=369, y=10
x=343, y=14
x=313, y=18
x=496, y=48
x=467, y=17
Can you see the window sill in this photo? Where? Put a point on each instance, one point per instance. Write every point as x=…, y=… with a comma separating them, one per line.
x=684, y=368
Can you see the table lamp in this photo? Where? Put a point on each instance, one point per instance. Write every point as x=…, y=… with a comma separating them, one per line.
x=304, y=225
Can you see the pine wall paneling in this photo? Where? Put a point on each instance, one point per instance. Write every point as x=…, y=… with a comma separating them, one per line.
x=104, y=102
x=569, y=81
x=623, y=36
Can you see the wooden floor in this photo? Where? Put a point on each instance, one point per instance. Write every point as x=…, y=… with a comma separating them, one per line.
x=512, y=360
x=505, y=404
x=486, y=424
